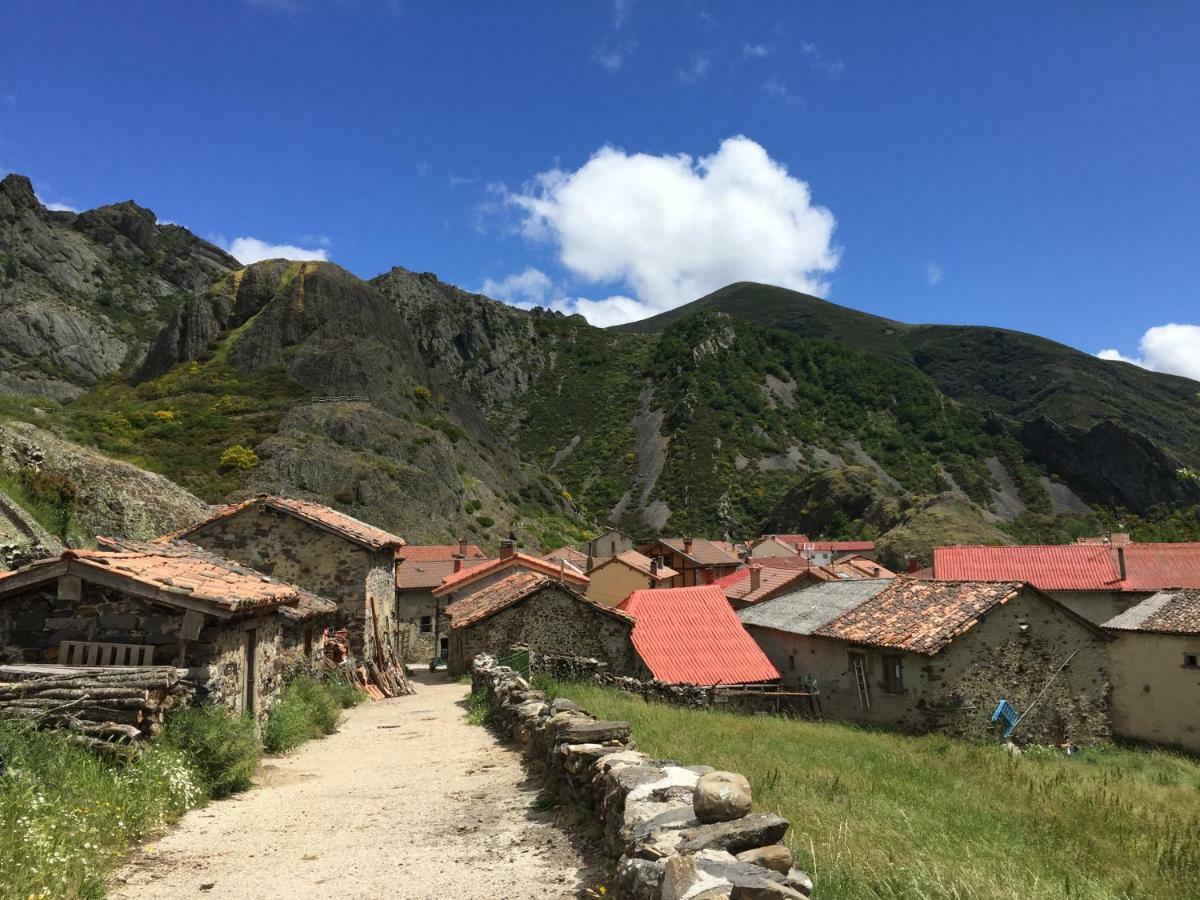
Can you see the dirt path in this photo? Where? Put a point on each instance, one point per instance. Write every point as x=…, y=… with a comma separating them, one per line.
x=406, y=801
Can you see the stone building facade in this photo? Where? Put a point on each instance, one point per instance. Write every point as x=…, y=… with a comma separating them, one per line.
x=531, y=610
x=235, y=647
x=320, y=550
x=870, y=665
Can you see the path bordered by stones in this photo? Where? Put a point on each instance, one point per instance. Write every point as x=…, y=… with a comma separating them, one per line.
x=406, y=801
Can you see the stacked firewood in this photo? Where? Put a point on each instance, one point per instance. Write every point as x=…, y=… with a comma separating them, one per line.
x=100, y=706
x=380, y=677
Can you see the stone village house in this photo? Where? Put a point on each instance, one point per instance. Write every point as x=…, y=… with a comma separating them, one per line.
x=234, y=629
x=420, y=616
x=1154, y=666
x=939, y=656
x=698, y=562
x=320, y=550
x=460, y=584
x=610, y=543
x=535, y=610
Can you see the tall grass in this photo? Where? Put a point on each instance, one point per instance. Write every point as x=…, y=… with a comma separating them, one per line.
x=66, y=816
x=878, y=815
x=307, y=708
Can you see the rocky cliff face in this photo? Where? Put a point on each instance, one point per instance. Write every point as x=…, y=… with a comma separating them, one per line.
x=82, y=295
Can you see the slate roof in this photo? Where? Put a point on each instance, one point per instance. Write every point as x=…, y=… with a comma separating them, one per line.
x=350, y=528
x=431, y=552
x=737, y=585
x=307, y=606
x=692, y=636
x=706, y=553
x=500, y=595
x=804, y=611
x=533, y=563
x=919, y=616
x=639, y=563
x=1167, y=612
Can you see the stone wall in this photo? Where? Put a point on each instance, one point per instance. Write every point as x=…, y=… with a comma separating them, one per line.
x=550, y=620
x=315, y=559
x=410, y=606
x=676, y=832
x=1155, y=694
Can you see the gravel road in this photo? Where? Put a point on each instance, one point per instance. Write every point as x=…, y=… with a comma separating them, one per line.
x=406, y=801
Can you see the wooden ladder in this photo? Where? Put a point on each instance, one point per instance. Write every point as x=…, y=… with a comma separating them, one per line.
x=860, y=678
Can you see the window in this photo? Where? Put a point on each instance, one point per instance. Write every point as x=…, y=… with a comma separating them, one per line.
x=893, y=674
x=1191, y=661
x=426, y=626
x=792, y=662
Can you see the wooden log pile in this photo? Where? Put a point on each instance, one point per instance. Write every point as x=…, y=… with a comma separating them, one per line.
x=379, y=677
x=101, y=706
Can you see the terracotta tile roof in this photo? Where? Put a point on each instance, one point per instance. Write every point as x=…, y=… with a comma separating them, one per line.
x=487, y=601
x=737, y=585
x=421, y=574
x=314, y=513
x=706, y=553
x=575, y=557
x=639, y=563
x=804, y=611
x=919, y=616
x=845, y=546
x=733, y=549
x=791, y=539
x=692, y=636
x=793, y=562
x=1167, y=612
x=308, y=605
x=523, y=560
x=432, y=552
x=174, y=575
x=855, y=566
x=1070, y=567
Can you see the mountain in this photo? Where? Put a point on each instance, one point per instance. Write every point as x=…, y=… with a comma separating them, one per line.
x=437, y=412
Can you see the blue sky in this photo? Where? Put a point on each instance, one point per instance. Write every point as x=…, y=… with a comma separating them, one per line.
x=1034, y=166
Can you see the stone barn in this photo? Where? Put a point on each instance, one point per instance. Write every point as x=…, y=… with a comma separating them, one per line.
x=1154, y=665
x=420, y=616
x=461, y=584
x=939, y=656
x=234, y=629
x=320, y=550
x=534, y=610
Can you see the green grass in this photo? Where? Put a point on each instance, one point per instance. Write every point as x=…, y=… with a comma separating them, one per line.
x=307, y=708
x=67, y=817
x=878, y=815
x=225, y=750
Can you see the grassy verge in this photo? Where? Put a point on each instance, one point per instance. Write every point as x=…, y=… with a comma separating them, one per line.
x=307, y=708
x=879, y=815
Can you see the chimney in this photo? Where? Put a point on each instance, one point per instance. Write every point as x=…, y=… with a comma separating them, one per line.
x=1121, y=561
x=590, y=564
x=458, y=564
x=913, y=565
x=687, y=546
x=874, y=571
x=755, y=577
x=462, y=547
x=562, y=571
x=654, y=568
x=507, y=548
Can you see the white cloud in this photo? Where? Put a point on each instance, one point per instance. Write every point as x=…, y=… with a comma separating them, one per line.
x=60, y=207
x=615, y=310
x=757, y=51
x=673, y=228
x=528, y=288
x=773, y=87
x=933, y=273
x=456, y=181
x=696, y=69
x=1171, y=348
x=819, y=63
x=247, y=250
x=613, y=50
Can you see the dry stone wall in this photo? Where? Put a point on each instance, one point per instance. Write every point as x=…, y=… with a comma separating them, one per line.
x=676, y=832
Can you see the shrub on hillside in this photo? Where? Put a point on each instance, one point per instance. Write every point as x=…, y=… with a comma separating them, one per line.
x=225, y=749
x=238, y=457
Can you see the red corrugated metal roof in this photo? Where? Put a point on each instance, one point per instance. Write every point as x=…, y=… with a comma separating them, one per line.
x=1070, y=567
x=1154, y=567
x=693, y=636
x=1075, y=567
